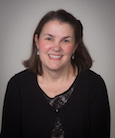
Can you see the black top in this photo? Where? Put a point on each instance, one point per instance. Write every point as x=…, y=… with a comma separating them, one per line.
x=57, y=102
x=27, y=114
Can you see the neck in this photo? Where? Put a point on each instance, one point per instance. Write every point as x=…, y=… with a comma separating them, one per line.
x=58, y=76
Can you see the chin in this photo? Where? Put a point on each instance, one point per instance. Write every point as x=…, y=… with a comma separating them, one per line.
x=54, y=68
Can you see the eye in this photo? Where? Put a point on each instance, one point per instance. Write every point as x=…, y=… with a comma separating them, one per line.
x=49, y=39
x=65, y=40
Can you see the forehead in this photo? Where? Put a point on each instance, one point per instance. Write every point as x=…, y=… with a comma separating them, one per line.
x=56, y=26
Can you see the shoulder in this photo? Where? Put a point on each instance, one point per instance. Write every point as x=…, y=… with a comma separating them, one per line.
x=92, y=84
x=22, y=77
x=23, y=74
x=91, y=78
x=90, y=75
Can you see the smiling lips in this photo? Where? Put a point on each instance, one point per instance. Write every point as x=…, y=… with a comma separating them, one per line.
x=55, y=56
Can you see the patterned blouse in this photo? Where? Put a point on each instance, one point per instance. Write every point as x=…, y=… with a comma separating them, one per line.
x=57, y=102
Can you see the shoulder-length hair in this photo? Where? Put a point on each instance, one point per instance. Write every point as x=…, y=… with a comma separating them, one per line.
x=82, y=58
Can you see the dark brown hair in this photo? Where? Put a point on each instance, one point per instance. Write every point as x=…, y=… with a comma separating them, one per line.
x=81, y=59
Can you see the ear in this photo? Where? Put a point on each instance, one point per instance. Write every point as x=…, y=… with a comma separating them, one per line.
x=36, y=40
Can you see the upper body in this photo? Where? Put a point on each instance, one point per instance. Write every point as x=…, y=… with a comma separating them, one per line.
x=57, y=96
x=27, y=113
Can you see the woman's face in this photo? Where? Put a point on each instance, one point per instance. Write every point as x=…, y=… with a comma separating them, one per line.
x=56, y=45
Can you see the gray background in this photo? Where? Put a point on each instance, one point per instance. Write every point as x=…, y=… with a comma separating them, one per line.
x=18, y=20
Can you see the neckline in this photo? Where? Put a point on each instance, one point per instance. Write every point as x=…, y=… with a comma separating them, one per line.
x=72, y=85
x=43, y=98
x=43, y=93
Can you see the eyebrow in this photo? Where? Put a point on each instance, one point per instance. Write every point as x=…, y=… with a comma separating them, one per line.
x=65, y=37
x=48, y=35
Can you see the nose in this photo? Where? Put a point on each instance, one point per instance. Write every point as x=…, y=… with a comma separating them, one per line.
x=56, y=46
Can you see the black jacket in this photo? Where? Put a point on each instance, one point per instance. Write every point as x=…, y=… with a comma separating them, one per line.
x=26, y=114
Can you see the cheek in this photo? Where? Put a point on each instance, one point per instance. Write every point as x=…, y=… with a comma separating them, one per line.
x=69, y=49
x=43, y=46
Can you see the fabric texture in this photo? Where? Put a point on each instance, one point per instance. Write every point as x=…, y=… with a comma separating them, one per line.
x=57, y=102
x=27, y=114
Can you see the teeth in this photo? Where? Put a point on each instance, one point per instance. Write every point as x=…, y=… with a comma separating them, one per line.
x=56, y=57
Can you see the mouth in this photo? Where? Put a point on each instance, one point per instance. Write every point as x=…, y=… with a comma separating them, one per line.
x=55, y=56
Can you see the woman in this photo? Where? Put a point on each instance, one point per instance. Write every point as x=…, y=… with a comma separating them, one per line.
x=57, y=96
